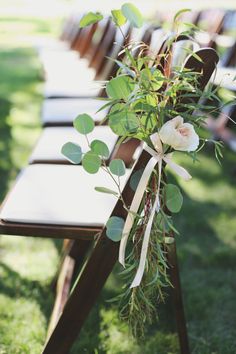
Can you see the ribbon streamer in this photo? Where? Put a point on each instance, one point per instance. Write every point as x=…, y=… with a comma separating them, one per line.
x=157, y=156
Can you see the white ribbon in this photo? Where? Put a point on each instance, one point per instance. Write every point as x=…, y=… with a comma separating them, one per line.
x=157, y=157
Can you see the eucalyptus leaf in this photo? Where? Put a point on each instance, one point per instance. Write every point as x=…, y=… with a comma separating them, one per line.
x=120, y=87
x=117, y=167
x=91, y=162
x=173, y=198
x=100, y=148
x=123, y=122
x=132, y=14
x=152, y=78
x=118, y=17
x=84, y=124
x=106, y=190
x=135, y=178
x=114, y=227
x=72, y=152
x=90, y=18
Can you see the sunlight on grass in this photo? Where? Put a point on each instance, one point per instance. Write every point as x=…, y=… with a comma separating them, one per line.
x=27, y=265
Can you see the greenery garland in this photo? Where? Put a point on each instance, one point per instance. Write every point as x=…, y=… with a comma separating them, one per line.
x=145, y=100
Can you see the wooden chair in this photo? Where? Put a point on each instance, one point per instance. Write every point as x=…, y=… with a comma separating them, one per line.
x=62, y=111
x=59, y=201
x=222, y=127
x=71, y=62
x=48, y=147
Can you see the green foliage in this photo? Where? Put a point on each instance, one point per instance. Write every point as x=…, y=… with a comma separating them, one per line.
x=151, y=78
x=135, y=178
x=90, y=18
x=72, y=152
x=91, y=162
x=120, y=87
x=122, y=121
x=180, y=12
x=84, y=124
x=106, y=190
x=173, y=198
x=114, y=227
x=132, y=14
x=117, y=167
x=100, y=148
x=118, y=17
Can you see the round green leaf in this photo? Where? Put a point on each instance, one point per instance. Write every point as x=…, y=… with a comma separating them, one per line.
x=90, y=18
x=118, y=17
x=120, y=87
x=91, y=162
x=105, y=190
x=123, y=122
x=173, y=198
x=100, y=148
x=117, y=167
x=84, y=124
x=114, y=227
x=152, y=78
x=132, y=14
x=135, y=178
x=72, y=152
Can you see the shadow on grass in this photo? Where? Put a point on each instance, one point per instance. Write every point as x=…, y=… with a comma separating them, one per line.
x=5, y=145
x=14, y=285
x=208, y=280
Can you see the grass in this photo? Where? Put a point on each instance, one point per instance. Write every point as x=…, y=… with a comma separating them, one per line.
x=206, y=247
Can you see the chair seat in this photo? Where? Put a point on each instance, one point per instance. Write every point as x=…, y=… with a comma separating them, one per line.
x=62, y=111
x=68, y=76
x=48, y=147
x=43, y=45
x=59, y=195
x=71, y=88
x=65, y=66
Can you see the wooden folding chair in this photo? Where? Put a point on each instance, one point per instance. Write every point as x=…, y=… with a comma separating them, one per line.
x=212, y=21
x=59, y=201
x=62, y=111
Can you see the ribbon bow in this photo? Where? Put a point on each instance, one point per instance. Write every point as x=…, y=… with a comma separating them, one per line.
x=157, y=157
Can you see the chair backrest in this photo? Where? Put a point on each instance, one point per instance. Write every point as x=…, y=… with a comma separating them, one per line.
x=229, y=57
x=104, y=46
x=70, y=28
x=105, y=27
x=84, y=38
x=106, y=66
x=212, y=20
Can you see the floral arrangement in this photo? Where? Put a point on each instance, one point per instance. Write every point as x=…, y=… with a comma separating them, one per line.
x=153, y=102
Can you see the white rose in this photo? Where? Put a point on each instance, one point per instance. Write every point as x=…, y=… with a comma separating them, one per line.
x=179, y=135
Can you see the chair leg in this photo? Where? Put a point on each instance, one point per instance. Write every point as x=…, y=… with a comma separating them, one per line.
x=62, y=291
x=83, y=296
x=77, y=250
x=177, y=300
x=66, y=247
x=74, y=254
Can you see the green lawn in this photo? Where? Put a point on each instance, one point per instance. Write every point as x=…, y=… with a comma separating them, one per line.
x=206, y=247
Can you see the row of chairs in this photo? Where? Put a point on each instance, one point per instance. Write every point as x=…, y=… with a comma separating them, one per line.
x=53, y=199
x=218, y=31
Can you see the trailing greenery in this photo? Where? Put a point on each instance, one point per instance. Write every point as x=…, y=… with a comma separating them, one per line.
x=145, y=100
